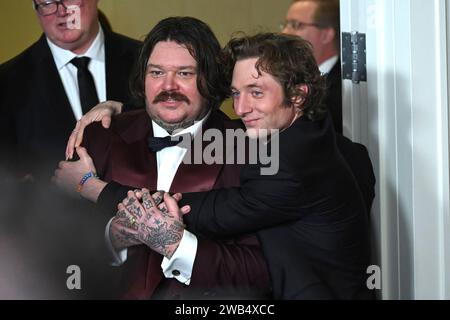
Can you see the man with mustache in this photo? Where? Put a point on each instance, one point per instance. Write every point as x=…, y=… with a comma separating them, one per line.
x=179, y=76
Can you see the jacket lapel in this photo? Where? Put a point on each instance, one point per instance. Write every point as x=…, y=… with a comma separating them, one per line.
x=118, y=62
x=198, y=177
x=132, y=163
x=56, y=104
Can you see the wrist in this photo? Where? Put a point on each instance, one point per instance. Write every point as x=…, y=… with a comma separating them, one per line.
x=92, y=189
x=172, y=248
x=119, y=108
x=170, y=251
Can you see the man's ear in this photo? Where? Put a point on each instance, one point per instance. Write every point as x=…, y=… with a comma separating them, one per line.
x=327, y=35
x=298, y=100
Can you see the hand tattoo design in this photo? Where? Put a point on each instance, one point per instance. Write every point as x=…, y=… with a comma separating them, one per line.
x=149, y=222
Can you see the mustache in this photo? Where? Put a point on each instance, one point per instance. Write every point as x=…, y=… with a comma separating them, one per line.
x=171, y=95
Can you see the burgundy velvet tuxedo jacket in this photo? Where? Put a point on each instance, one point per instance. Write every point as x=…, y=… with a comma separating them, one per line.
x=231, y=268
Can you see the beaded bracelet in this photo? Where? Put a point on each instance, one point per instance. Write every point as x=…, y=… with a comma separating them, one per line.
x=85, y=178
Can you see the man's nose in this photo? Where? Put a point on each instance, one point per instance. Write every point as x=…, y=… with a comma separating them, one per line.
x=170, y=82
x=241, y=105
x=289, y=30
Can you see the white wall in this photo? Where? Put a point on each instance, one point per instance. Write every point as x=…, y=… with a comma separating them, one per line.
x=401, y=114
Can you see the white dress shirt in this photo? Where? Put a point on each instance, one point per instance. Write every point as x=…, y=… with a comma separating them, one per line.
x=327, y=65
x=68, y=72
x=168, y=160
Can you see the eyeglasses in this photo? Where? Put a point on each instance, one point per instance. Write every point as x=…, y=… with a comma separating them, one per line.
x=297, y=25
x=47, y=8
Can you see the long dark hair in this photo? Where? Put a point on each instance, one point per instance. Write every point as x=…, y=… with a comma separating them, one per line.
x=204, y=47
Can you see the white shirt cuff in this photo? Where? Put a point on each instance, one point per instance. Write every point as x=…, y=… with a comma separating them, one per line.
x=182, y=262
x=118, y=257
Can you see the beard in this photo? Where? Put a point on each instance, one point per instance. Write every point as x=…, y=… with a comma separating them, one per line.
x=171, y=127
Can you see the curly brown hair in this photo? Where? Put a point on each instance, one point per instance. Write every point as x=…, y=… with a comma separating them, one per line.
x=289, y=59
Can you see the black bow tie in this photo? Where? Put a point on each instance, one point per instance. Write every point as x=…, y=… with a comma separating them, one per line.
x=156, y=144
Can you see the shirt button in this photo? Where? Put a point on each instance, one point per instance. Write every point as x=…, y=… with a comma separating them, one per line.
x=176, y=273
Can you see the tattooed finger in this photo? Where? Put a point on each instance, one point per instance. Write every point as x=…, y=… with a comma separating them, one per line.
x=158, y=197
x=129, y=201
x=121, y=214
x=137, y=212
x=124, y=222
x=134, y=207
x=146, y=200
x=164, y=210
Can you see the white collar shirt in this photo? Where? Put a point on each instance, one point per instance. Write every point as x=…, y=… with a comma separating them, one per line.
x=169, y=159
x=327, y=65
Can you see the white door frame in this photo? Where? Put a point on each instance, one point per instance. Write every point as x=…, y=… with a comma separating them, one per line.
x=401, y=115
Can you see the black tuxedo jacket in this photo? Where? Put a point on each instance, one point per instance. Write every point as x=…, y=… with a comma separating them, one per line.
x=357, y=157
x=333, y=98
x=311, y=216
x=36, y=118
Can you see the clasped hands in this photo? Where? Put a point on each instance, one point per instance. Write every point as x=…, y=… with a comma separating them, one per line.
x=154, y=220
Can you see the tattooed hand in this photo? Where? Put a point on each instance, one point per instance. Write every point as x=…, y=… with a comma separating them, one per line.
x=153, y=223
x=122, y=232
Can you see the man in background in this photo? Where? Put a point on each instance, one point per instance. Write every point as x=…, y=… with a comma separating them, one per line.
x=317, y=21
x=74, y=65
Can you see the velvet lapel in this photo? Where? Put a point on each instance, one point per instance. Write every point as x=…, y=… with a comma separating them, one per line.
x=131, y=161
x=199, y=177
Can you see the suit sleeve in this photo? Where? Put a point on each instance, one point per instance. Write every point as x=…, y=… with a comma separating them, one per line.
x=111, y=196
x=99, y=150
x=238, y=263
x=9, y=158
x=8, y=143
x=259, y=203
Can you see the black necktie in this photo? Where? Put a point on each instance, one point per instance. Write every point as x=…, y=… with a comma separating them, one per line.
x=86, y=84
x=156, y=144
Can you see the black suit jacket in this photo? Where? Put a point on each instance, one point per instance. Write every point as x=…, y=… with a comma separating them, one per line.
x=311, y=216
x=333, y=98
x=357, y=157
x=36, y=118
